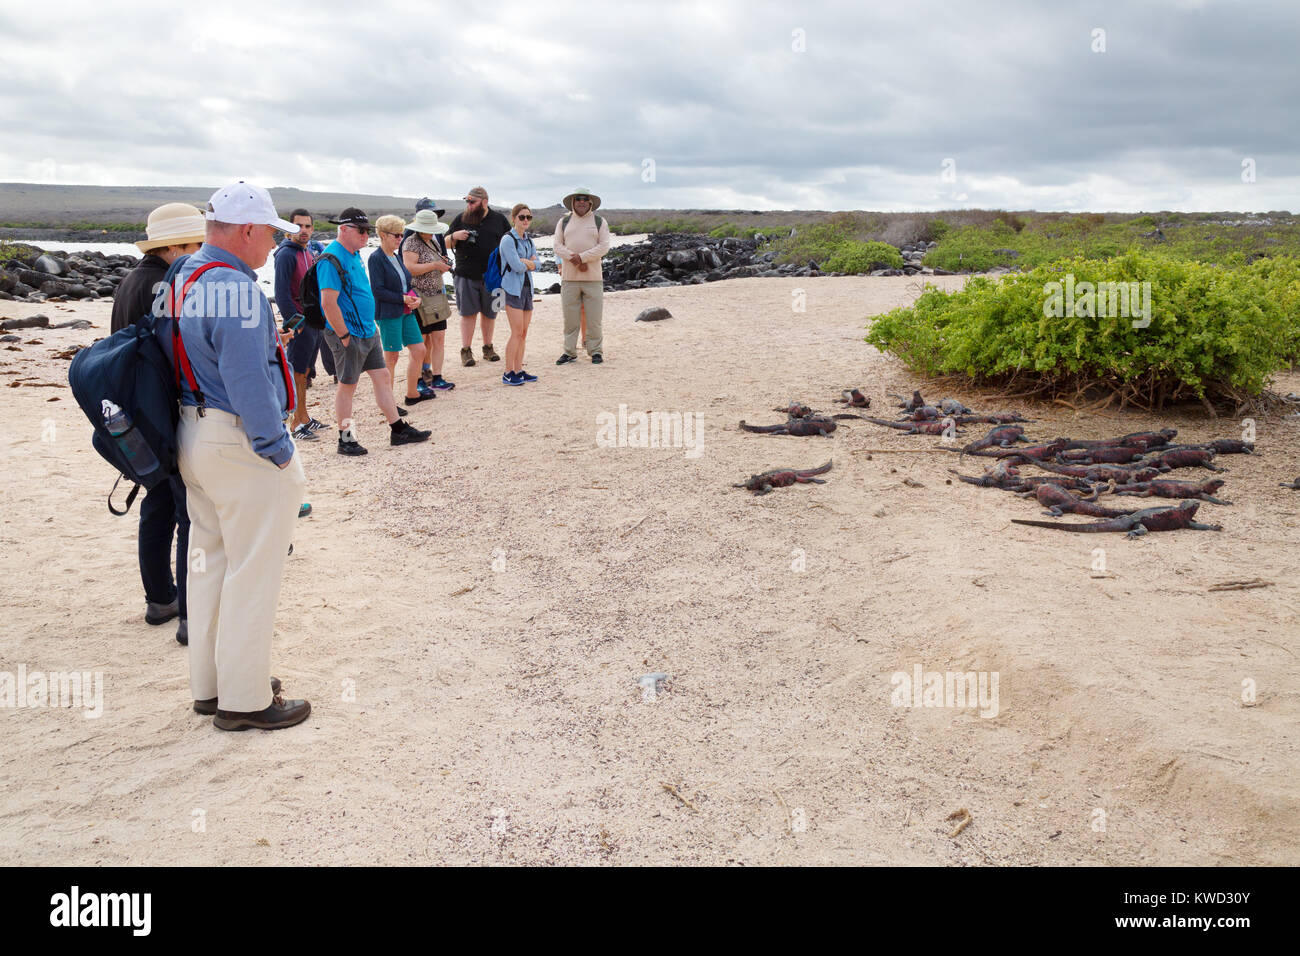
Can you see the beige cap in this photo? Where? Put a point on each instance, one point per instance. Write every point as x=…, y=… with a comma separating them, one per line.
x=173, y=224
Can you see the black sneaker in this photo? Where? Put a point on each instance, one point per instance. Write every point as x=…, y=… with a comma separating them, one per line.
x=404, y=434
x=596, y=359
x=351, y=448
x=565, y=359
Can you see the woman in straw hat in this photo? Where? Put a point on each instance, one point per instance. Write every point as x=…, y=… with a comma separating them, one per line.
x=423, y=255
x=173, y=230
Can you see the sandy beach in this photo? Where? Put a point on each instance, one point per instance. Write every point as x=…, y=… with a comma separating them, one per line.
x=469, y=619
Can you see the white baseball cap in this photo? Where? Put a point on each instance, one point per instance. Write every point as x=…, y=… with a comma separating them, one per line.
x=242, y=203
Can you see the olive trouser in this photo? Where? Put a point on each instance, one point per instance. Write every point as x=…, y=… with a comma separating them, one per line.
x=573, y=296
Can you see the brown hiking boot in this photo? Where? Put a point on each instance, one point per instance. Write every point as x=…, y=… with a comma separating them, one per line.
x=467, y=357
x=490, y=354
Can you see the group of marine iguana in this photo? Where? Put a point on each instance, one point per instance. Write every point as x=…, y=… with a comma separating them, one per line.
x=1078, y=472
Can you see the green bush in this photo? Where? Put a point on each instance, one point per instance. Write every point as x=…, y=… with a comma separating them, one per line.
x=856, y=258
x=1215, y=332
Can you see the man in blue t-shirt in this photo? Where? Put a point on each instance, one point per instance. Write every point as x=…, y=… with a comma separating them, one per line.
x=351, y=333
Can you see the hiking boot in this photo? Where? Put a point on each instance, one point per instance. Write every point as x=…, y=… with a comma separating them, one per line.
x=281, y=713
x=490, y=354
x=161, y=613
x=209, y=707
x=467, y=357
x=565, y=359
x=404, y=434
x=351, y=447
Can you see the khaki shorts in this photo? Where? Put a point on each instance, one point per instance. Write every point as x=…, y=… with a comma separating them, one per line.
x=360, y=355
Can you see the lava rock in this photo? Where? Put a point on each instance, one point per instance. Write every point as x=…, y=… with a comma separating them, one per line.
x=50, y=266
x=656, y=314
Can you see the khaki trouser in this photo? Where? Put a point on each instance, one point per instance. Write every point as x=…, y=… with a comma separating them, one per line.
x=573, y=296
x=243, y=510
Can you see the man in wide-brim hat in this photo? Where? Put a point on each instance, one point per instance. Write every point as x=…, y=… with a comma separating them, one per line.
x=581, y=240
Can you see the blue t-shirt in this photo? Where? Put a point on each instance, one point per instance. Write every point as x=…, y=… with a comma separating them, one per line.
x=356, y=301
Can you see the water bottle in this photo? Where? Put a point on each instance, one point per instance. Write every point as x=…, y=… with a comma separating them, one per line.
x=129, y=439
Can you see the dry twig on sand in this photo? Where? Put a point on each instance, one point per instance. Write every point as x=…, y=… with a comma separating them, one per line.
x=1241, y=585
x=686, y=803
x=964, y=818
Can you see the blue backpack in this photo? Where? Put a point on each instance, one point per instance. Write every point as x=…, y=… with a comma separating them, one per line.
x=131, y=370
x=496, y=269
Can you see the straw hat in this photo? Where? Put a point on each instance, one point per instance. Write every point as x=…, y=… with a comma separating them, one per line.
x=595, y=200
x=174, y=224
x=427, y=222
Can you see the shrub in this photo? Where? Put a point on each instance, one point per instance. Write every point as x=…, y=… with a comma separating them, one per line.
x=858, y=257
x=1215, y=333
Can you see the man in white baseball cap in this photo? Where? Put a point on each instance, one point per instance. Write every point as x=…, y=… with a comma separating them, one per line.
x=243, y=478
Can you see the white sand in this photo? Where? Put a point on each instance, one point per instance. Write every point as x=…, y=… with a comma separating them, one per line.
x=504, y=724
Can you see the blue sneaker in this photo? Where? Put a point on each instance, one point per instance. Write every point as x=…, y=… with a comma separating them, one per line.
x=526, y=377
x=509, y=378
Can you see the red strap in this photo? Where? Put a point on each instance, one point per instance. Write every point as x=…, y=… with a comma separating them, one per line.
x=183, y=360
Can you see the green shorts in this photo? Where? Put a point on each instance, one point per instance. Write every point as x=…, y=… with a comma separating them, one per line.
x=395, y=334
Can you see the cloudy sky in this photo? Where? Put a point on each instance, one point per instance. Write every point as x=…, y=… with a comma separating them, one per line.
x=1134, y=105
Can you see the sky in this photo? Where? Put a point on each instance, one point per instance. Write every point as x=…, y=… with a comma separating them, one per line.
x=1102, y=106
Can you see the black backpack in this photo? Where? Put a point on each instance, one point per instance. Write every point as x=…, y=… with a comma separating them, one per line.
x=312, y=312
x=130, y=369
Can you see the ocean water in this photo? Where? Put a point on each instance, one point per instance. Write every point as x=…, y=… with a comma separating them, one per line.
x=266, y=274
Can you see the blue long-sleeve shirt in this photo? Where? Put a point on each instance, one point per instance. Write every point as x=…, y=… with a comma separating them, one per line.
x=512, y=251
x=230, y=338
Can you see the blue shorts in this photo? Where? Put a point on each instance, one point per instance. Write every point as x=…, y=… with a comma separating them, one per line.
x=524, y=300
x=303, y=348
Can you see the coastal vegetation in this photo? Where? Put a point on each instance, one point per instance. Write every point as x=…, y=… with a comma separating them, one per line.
x=1184, y=329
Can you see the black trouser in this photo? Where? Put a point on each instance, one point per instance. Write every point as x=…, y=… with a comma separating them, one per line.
x=163, y=513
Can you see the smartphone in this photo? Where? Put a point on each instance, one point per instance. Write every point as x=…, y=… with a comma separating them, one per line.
x=286, y=327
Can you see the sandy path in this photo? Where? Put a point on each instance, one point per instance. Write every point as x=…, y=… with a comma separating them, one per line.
x=503, y=723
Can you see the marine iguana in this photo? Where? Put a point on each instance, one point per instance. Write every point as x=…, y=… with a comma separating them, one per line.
x=1138, y=523
x=1167, y=460
x=992, y=418
x=783, y=478
x=1222, y=446
x=1168, y=488
x=912, y=428
x=1139, y=439
x=1101, y=455
x=926, y=413
x=1001, y=475
x=795, y=410
x=1102, y=473
x=1004, y=435
x=950, y=406
x=795, y=426
x=1058, y=501
x=908, y=405
x=854, y=398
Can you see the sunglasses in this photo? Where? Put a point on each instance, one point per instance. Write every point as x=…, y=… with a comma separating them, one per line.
x=582, y=199
x=364, y=230
x=522, y=218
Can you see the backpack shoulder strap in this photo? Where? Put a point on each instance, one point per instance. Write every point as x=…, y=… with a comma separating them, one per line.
x=178, y=344
x=564, y=225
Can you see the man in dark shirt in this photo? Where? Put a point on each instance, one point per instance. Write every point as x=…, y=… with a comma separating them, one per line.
x=173, y=230
x=293, y=257
x=474, y=234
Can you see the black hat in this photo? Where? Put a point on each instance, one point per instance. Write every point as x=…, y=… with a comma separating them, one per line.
x=352, y=216
x=427, y=203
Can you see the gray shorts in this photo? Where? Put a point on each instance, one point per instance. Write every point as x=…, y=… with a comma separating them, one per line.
x=524, y=300
x=360, y=355
x=472, y=297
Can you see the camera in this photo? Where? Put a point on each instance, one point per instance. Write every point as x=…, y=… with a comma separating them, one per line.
x=473, y=236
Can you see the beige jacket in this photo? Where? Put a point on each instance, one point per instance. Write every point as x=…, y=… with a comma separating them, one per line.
x=582, y=237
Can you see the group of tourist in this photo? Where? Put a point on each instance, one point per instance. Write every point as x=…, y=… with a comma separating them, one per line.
x=239, y=491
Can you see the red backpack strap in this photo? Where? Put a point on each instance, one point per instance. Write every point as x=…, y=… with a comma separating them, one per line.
x=178, y=344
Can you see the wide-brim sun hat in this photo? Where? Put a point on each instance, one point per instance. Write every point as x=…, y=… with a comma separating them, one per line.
x=173, y=224
x=595, y=200
x=426, y=221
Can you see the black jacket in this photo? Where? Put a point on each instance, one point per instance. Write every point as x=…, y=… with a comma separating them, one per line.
x=135, y=294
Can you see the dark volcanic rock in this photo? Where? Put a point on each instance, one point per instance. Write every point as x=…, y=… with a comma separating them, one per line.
x=50, y=266
x=653, y=315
